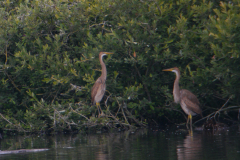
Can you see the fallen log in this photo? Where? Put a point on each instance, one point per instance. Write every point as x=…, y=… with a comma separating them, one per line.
x=22, y=151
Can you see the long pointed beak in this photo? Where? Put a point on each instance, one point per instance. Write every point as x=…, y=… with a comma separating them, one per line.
x=108, y=53
x=169, y=69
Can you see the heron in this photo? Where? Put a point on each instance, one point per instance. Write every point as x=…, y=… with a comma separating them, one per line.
x=98, y=89
x=188, y=101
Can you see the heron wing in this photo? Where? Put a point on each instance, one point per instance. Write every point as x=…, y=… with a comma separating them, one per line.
x=193, y=107
x=189, y=95
x=190, y=101
x=98, y=90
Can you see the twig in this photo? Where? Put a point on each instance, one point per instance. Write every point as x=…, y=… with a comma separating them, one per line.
x=75, y=87
x=218, y=111
x=80, y=114
x=134, y=119
x=107, y=100
x=59, y=116
x=155, y=122
x=19, y=127
x=122, y=124
x=6, y=54
x=210, y=115
x=119, y=121
x=12, y=81
x=118, y=107
x=124, y=115
x=200, y=119
x=5, y=119
x=158, y=8
x=56, y=94
x=54, y=116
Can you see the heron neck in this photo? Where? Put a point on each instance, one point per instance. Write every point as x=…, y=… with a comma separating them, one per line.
x=176, y=90
x=104, y=69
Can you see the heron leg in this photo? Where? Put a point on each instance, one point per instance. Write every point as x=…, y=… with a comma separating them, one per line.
x=102, y=114
x=190, y=117
x=98, y=105
x=190, y=132
x=187, y=121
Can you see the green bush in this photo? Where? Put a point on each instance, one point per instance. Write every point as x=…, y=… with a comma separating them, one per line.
x=48, y=47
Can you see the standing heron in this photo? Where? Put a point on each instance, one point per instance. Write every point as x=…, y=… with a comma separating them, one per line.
x=187, y=99
x=99, y=87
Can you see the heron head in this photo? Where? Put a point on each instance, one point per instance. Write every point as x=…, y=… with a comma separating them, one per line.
x=101, y=54
x=105, y=53
x=174, y=69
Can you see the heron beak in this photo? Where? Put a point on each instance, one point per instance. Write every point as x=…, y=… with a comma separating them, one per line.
x=108, y=53
x=169, y=69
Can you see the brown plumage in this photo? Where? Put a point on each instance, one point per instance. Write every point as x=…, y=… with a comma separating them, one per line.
x=187, y=99
x=98, y=89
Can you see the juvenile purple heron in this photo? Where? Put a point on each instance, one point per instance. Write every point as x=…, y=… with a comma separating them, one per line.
x=187, y=99
x=98, y=89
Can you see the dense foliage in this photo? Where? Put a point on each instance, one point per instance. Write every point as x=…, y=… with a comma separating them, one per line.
x=49, y=60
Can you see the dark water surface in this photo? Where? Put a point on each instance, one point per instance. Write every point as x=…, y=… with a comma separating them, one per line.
x=140, y=145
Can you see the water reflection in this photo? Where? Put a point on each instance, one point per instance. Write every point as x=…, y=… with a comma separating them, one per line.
x=140, y=145
x=190, y=148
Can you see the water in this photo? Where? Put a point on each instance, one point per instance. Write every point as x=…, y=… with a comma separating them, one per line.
x=140, y=145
